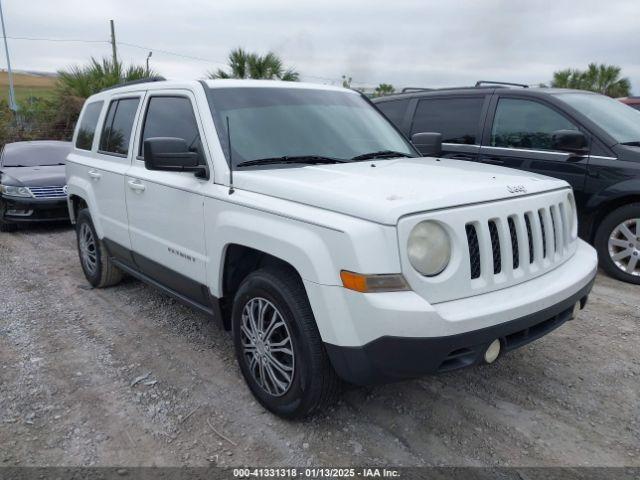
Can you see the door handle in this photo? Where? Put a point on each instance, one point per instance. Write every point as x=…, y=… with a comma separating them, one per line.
x=95, y=174
x=136, y=186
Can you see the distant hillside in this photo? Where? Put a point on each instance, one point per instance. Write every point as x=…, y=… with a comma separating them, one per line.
x=28, y=84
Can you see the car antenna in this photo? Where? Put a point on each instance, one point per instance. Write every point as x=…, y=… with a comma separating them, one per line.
x=231, y=189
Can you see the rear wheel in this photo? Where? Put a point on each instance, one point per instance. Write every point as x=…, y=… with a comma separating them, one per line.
x=96, y=264
x=618, y=243
x=278, y=346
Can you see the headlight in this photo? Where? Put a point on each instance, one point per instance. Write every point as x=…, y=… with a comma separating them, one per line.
x=429, y=248
x=14, y=191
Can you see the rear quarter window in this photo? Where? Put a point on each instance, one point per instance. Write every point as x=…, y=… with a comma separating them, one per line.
x=88, y=125
x=394, y=110
x=457, y=119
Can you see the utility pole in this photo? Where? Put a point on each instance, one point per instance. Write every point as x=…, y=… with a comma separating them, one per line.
x=148, y=57
x=113, y=43
x=12, y=95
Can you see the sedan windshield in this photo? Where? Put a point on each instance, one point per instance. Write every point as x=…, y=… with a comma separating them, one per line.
x=32, y=154
x=301, y=123
x=617, y=119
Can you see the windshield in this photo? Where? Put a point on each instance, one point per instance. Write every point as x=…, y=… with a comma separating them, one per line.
x=33, y=154
x=614, y=117
x=296, y=122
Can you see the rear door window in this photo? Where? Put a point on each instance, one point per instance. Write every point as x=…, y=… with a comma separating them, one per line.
x=526, y=124
x=394, y=110
x=457, y=119
x=88, y=125
x=118, y=126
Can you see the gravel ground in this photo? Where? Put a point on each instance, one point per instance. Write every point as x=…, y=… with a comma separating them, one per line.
x=127, y=376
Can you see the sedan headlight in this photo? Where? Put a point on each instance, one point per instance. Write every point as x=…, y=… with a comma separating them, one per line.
x=13, y=191
x=429, y=248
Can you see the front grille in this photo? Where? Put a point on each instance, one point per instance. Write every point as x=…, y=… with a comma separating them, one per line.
x=474, y=250
x=515, y=251
x=48, y=192
x=543, y=235
x=495, y=247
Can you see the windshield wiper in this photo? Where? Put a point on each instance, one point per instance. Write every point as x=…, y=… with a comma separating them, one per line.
x=632, y=144
x=380, y=154
x=309, y=159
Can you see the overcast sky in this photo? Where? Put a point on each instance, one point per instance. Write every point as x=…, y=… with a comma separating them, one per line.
x=403, y=42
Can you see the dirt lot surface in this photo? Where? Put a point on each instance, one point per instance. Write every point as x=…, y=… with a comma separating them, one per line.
x=126, y=376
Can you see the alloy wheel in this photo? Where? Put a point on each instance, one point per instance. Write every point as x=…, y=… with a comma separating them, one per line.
x=87, y=244
x=267, y=346
x=624, y=246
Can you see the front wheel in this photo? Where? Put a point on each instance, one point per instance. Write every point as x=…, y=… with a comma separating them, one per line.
x=618, y=243
x=278, y=346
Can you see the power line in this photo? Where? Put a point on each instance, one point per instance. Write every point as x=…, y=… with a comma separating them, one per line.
x=175, y=54
x=38, y=39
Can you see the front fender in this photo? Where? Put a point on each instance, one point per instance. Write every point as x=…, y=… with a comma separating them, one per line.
x=626, y=188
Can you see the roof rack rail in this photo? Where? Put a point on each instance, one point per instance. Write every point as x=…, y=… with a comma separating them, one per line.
x=415, y=89
x=479, y=83
x=157, y=78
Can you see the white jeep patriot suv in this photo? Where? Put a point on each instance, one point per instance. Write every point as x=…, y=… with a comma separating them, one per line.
x=305, y=223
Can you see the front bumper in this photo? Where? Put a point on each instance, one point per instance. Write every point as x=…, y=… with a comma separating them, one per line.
x=381, y=337
x=33, y=210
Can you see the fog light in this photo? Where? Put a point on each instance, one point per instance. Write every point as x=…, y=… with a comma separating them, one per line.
x=492, y=352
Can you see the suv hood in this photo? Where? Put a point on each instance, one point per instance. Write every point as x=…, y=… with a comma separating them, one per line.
x=385, y=190
x=38, y=176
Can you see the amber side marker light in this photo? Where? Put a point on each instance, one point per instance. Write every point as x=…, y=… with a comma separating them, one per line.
x=358, y=282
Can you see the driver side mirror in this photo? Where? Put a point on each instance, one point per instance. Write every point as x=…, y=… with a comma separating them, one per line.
x=428, y=144
x=172, y=155
x=570, y=141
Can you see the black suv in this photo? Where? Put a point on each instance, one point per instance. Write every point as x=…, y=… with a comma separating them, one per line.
x=589, y=140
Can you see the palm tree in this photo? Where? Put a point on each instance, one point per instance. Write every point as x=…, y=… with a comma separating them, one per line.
x=243, y=64
x=76, y=83
x=604, y=79
x=384, y=89
x=83, y=81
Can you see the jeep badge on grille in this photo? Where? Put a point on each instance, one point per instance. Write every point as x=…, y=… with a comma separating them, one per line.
x=516, y=189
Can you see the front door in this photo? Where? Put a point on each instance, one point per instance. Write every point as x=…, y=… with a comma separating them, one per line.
x=166, y=209
x=520, y=136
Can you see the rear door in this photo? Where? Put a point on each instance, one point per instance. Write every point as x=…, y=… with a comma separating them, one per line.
x=519, y=135
x=166, y=209
x=458, y=118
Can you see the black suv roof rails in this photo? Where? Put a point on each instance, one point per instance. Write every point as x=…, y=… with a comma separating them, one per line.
x=415, y=89
x=480, y=83
x=135, y=82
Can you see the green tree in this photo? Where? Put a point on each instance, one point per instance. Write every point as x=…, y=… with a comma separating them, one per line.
x=604, y=79
x=383, y=89
x=243, y=64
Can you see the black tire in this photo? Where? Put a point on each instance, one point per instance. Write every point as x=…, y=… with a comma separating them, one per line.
x=314, y=384
x=605, y=229
x=105, y=272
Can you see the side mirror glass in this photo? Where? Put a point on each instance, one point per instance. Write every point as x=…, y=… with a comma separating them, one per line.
x=571, y=141
x=428, y=144
x=172, y=155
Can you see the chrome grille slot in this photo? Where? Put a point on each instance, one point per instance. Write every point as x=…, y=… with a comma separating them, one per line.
x=515, y=250
x=474, y=250
x=495, y=247
x=48, y=192
x=527, y=221
x=544, y=232
x=554, y=227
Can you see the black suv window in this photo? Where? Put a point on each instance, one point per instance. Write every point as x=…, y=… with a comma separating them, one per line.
x=457, y=119
x=88, y=125
x=118, y=124
x=394, y=110
x=171, y=117
x=526, y=124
